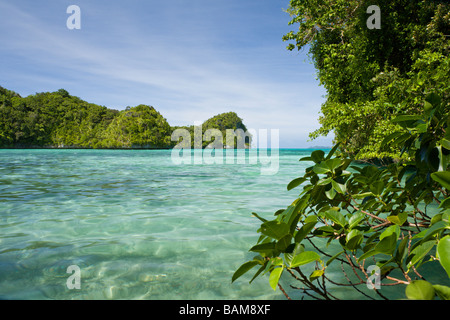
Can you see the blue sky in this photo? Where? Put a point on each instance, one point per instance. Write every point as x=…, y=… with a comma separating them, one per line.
x=191, y=60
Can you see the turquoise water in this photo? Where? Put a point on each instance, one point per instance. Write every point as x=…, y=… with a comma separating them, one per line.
x=137, y=225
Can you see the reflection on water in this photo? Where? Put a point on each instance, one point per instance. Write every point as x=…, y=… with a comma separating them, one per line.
x=137, y=225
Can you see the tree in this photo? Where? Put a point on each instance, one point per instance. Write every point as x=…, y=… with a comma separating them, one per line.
x=393, y=219
x=388, y=98
x=369, y=73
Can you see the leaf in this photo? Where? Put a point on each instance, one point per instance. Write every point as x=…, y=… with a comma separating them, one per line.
x=443, y=292
x=420, y=290
x=275, y=229
x=304, y=231
x=295, y=183
x=398, y=219
x=324, y=182
x=257, y=216
x=304, y=258
x=390, y=137
x=316, y=274
x=321, y=168
x=317, y=156
x=336, y=217
x=377, y=187
x=340, y=188
x=443, y=249
x=355, y=219
x=443, y=178
x=363, y=195
x=332, y=151
x=331, y=193
x=334, y=257
x=387, y=244
x=353, y=239
x=283, y=243
x=419, y=252
x=297, y=249
x=333, y=163
x=243, y=269
x=406, y=117
x=275, y=277
x=367, y=254
x=263, y=247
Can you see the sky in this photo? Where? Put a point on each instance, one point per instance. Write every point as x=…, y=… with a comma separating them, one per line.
x=190, y=59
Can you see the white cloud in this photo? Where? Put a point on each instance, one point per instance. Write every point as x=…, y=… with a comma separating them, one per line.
x=190, y=80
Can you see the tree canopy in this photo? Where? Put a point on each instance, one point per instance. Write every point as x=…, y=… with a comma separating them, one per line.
x=371, y=75
x=60, y=120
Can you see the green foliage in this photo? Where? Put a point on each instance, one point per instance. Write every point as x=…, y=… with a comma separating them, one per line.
x=372, y=74
x=63, y=121
x=222, y=126
x=395, y=217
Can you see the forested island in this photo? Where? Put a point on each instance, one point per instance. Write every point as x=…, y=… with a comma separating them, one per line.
x=60, y=120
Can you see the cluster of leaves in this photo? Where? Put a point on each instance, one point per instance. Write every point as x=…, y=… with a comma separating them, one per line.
x=395, y=217
x=58, y=119
x=371, y=75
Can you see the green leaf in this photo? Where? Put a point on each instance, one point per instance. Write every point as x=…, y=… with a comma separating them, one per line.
x=377, y=187
x=275, y=229
x=353, y=239
x=243, y=269
x=324, y=182
x=445, y=143
x=321, y=168
x=297, y=249
x=333, y=163
x=295, y=183
x=304, y=231
x=283, y=243
x=367, y=254
x=390, y=230
x=442, y=177
x=275, y=277
x=331, y=193
x=420, y=290
x=406, y=117
x=316, y=274
x=332, y=151
x=419, y=252
x=317, y=156
x=355, y=219
x=340, y=188
x=334, y=257
x=363, y=195
x=264, y=247
x=304, y=258
x=398, y=219
x=387, y=245
x=336, y=217
x=257, y=216
x=443, y=249
x=443, y=292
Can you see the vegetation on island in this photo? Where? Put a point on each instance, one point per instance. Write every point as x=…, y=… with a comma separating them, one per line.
x=383, y=230
x=60, y=120
x=225, y=130
x=371, y=75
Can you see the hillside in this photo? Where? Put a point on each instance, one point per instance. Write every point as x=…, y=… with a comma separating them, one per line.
x=60, y=120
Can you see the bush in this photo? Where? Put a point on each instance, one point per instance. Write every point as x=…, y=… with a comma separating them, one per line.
x=394, y=218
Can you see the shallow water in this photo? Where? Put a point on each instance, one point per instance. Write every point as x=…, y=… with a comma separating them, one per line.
x=137, y=225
